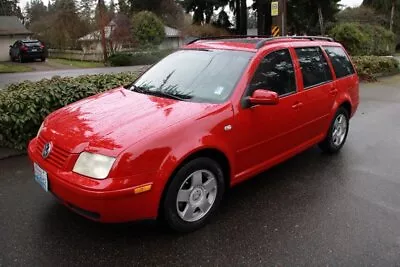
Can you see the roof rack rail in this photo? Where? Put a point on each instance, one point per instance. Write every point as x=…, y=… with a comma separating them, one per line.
x=311, y=38
x=265, y=38
x=226, y=37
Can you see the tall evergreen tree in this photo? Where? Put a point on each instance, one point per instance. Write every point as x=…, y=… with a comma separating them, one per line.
x=123, y=7
x=10, y=8
x=35, y=10
x=389, y=8
x=86, y=9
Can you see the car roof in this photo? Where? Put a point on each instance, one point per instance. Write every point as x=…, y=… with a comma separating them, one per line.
x=254, y=43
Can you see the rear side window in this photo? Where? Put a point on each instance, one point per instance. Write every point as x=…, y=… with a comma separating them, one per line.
x=314, y=67
x=340, y=61
x=275, y=73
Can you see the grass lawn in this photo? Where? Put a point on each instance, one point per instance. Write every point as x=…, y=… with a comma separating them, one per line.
x=76, y=63
x=11, y=68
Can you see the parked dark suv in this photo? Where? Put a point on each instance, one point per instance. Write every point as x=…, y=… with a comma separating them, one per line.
x=23, y=50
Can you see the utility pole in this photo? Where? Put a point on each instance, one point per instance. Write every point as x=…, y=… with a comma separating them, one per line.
x=279, y=18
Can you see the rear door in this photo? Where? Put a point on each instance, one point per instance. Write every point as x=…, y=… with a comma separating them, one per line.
x=319, y=91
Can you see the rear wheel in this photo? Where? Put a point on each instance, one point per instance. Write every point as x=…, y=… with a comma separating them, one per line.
x=337, y=133
x=193, y=195
x=42, y=59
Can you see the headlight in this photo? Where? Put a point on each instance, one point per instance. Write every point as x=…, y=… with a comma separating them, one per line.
x=40, y=129
x=93, y=165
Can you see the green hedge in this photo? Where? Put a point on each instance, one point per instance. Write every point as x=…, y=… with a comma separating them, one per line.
x=364, y=39
x=23, y=106
x=369, y=67
x=138, y=58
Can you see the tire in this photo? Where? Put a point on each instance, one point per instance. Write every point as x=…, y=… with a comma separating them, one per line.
x=334, y=142
x=200, y=184
x=42, y=59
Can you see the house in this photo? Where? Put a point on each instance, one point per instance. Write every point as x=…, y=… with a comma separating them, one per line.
x=92, y=41
x=11, y=30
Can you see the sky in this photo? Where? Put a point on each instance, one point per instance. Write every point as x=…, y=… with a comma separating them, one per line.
x=347, y=3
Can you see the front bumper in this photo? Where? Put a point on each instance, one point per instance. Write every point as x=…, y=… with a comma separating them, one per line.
x=100, y=200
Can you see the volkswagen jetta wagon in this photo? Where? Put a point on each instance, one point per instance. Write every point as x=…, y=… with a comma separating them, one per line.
x=205, y=118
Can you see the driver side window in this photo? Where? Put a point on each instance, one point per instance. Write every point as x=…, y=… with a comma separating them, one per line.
x=275, y=73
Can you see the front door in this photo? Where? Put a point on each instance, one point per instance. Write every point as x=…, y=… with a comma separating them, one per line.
x=266, y=132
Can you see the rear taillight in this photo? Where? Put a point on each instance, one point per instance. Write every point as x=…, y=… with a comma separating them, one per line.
x=24, y=48
x=42, y=46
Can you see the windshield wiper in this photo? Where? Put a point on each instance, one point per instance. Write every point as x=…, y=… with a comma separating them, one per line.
x=143, y=90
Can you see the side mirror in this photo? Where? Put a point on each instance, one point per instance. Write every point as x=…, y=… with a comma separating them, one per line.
x=263, y=97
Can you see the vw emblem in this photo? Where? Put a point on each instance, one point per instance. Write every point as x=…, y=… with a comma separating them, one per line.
x=47, y=149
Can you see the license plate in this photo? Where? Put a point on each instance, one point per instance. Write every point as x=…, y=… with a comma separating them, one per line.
x=41, y=177
x=34, y=50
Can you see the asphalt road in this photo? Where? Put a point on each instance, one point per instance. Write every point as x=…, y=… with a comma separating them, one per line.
x=8, y=78
x=313, y=210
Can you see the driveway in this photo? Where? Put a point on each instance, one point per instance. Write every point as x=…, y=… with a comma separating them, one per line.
x=38, y=75
x=313, y=210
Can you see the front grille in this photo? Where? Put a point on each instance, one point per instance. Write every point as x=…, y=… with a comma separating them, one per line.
x=57, y=157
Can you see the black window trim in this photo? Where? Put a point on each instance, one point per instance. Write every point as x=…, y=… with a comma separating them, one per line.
x=348, y=57
x=327, y=61
x=243, y=100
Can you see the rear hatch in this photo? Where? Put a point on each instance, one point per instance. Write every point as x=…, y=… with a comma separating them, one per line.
x=34, y=47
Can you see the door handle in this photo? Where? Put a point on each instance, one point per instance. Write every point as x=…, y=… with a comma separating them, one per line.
x=297, y=105
x=333, y=91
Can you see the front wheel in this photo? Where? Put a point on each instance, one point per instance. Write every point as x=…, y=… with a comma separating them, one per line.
x=193, y=195
x=337, y=133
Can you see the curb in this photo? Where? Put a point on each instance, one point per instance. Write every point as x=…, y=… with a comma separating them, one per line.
x=6, y=153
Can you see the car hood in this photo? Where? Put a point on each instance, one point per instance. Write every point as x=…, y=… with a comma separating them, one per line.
x=112, y=121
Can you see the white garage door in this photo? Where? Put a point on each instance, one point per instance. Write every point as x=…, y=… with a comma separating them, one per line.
x=5, y=42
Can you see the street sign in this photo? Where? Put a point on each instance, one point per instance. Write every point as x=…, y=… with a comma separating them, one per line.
x=275, y=31
x=274, y=8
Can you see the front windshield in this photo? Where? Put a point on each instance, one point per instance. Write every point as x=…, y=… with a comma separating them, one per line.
x=195, y=75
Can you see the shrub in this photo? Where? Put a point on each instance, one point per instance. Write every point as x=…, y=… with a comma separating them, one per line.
x=147, y=28
x=204, y=31
x=369, y=67
x=364, y=39
x=23, y=106
x=138, y=58
x=120, y=59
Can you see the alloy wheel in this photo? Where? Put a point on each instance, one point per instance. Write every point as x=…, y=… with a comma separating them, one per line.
x=196, y=195
x=339, y=130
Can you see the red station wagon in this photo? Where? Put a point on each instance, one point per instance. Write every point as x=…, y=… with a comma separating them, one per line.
x=205, y=118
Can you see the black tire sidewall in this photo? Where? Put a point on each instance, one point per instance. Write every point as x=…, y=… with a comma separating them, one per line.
x=332, y=146
x=170, y=213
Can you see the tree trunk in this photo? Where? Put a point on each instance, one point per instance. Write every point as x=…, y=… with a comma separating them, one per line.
x=260, y=19
x=392, y=14
x=102, y=30
x=243, y=17
x=238, y=13
x=321, y=21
